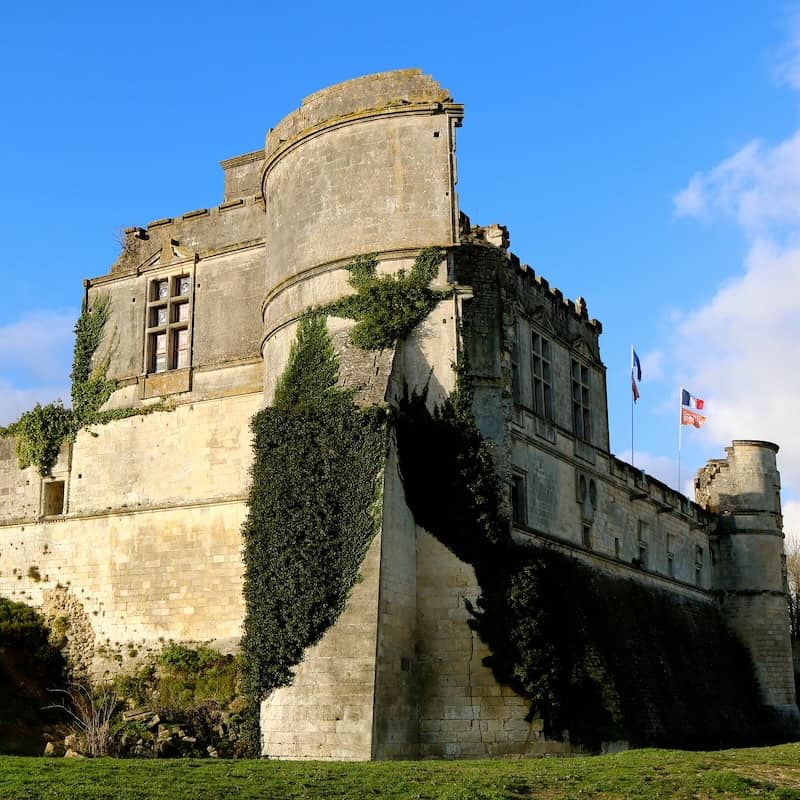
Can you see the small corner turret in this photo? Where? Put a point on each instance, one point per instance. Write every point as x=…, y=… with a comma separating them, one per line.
x=743, y=489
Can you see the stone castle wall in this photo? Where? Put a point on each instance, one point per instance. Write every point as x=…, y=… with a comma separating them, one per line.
x=149, y=543
x=146, y=545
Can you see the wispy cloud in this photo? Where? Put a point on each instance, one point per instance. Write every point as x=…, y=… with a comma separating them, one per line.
x=791, y=521
x=758, y=186
x=787, y=57
x=660, y=467
x=741, y=344
x=13, y=401
x=740, y=350
x=35, y=360
x=38, y=345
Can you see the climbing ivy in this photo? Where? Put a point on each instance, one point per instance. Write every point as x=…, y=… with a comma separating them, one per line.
x=603, y=657
x=314, y=508
x=90, y=385
x=388, y=307
x=42, y=431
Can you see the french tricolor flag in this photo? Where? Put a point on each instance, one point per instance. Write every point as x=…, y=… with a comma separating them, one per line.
x=690, y=401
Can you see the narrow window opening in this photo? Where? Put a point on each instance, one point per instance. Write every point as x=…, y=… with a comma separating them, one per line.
x=53, y=498
x=698, y=565
x=518, y=500
x=642, y=544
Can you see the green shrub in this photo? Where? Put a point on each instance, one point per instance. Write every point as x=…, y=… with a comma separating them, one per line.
x=40, y=433
x=388, y=307
x=188, y=678
x=29, y=666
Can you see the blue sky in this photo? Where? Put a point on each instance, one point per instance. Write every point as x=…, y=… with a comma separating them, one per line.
x=644, y=156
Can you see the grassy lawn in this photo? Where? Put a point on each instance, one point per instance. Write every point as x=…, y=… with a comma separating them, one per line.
x=772, y=772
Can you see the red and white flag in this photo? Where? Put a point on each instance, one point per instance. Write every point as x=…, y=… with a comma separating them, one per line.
x=692, y=418
x=690, y=405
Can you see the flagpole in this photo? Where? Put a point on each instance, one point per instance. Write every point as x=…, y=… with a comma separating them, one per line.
x=680, y=429
x=632, y=404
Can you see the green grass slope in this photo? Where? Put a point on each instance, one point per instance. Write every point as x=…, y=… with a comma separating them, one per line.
x=772, y=772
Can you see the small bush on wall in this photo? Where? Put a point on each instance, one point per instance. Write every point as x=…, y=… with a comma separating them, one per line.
x=388, y=307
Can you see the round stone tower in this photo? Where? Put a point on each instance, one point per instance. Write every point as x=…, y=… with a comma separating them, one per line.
x=744, y=489
x=366, y=166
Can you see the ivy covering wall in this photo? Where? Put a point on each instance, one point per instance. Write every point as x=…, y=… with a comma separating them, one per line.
x=602, y=657
x=314, y=507
x=388, y=307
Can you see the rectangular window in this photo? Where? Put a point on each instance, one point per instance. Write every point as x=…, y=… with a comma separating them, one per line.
x=169, y=324
x=542, y=377
x=616, y=547
x=516, y=392
x=670, y=557
x=519, y=500
x=581, y=410
x=698, y=565
x=642, y=536
x=587, y=536
x=53, y=498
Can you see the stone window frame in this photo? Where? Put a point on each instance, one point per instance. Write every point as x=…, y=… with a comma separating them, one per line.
x=53, y=497
x=542, y=375
x=580, y=380
x=699, y=562
x=168, y=323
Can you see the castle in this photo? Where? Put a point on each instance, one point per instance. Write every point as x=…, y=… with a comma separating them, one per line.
x=134, y=535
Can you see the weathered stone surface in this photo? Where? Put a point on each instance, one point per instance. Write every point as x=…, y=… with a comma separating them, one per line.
x=147, y=545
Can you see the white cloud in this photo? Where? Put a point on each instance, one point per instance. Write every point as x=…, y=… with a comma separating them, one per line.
x=787, y=59
x=653, y=365
x=38, y=345
x=739, y=353
x=739, y=350
x=35, y=360
x=13, y=401
x=791, y=523
x=758, y=186
x=660, y=467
